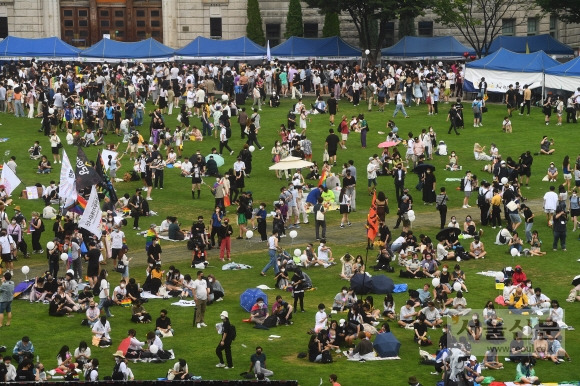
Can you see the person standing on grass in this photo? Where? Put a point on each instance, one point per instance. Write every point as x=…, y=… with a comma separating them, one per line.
x=272, y=251
x=200, y=296
x=225, y=342
x=559, y=222
x=6, y=296
x=527, y=100
x=441, y=205
x=400, y=105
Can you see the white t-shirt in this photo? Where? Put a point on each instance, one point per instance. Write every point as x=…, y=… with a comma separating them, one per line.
x=200, y=289
x=321, y=319
x=550, y=201
x=406, y=313
x=117, y=239
x=322, y=253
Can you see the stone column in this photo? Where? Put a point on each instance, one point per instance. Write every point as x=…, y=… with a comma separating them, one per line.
x=50, y=14
x=170, y=14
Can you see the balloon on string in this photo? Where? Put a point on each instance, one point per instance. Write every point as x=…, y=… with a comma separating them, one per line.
x=64, y=256
x=252, y=148
x=293, y=234
x=527, y=330
x=504, y=180
x=457, y=287
x=50, y=245
x=297, y=252
x=249, y=234
x=25, y=269
x=154, y=349
x=435, y=282
x=515, y=252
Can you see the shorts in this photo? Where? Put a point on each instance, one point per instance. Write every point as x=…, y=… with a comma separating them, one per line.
x=190, y=104
x=515, y=218
x=574, y=212
x=292, y=211
x=568, y=176
x=115, y=252
x=148, y=181
x=408, y=321
x=381, y=99
x=7, y=257
x=54, y=150
x=372, y=181
x=198, y=105
x=577, y=183
x=344, y=137
x=549, y=211
x=477, y=115
x=134, y=147
x=332, y=153
x=5, y=307
x=467, y=193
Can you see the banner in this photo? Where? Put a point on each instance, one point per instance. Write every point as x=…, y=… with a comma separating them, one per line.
x=85, y=173
x=373, y=219
x=9, y=179
x=105, y=157
x=91, y=218
x=67, y=188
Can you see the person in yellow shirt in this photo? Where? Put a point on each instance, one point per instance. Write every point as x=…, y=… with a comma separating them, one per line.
x=495, y=209
x=518, y=301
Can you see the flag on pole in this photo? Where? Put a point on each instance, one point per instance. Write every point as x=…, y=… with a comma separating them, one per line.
x=91, y=218
x=67, y=188
x=85, y=173
x=78, y=206
x=9, y=179
x=268, y=56
x=527, y=48
x=322, y=180
x=373, y=219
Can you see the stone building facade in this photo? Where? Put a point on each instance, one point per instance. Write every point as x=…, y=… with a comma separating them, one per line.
x=177, y=22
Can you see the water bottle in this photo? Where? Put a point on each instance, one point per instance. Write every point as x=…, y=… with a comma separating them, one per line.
x=38, y=359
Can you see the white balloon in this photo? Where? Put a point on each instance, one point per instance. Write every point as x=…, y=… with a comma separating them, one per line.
x=249, y=234
x=440, y=64
x=51, y=111
x=457, y=287
x=224, y=97
x=153, y=348
x=293, y=234
x=252, y=148
x=64, y=256
x=514, y=252
x=25, y=269
x=49, y=245
x=297, y=252
x=499, y=276
x=527, y=330
x=504, y=180
x=435, y=282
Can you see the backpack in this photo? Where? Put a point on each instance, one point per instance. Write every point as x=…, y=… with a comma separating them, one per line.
x=97, y=288
x=462, y=184
x=228, y=132
x=117, y=375
x=326, y=357
x=233, y=333
x=481, y=199
x=135, y=139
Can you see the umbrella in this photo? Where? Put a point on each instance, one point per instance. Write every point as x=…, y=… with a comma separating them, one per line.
x=422, y=167
x=382, y=284
x=361, y=284
x=248, y=298
x=448, y=233
x=291, y=163
x=576, y=280
x=219, y=160
x=387, y=144
x=386, y=345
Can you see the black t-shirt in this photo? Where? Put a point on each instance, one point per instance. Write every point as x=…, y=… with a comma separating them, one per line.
x=155, y=250
x=3, y=371
x=93, y=255
x=163, y=323
x=511, y=96
x=198, y=228
x=332, y=140
x=331, y=105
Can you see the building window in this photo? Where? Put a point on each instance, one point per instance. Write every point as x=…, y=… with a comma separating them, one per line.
x=425, y=28
x=215, y=27
x=532, y=26
x=104, y=13
x=83, y=13
x=67, y=13
x=554, y=26
x=157, y=23
x=105, y=23
x=140, y=23
x=119, y=23
x=389, y=34
x=155, y=13
x=311, y=30
x=118, y=13
x=83, y=23
x=273, y=34
x=141, y=35
x=69, y=23
x=140, y=13
x=508, y=27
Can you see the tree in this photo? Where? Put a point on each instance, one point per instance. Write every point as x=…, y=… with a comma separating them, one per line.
x=254, y=29
x=331, y=25
x=294, y=25
x=406, y=27
x=566, y=10
x=480, y=21
x=366, y=14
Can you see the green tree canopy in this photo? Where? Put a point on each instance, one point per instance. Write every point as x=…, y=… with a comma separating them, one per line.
x=331, y=25
x=294, y=25
x=566, y=10
x=480, y=21
x=254, y=29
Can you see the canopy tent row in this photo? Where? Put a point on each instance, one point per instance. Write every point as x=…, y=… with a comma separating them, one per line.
x=415, y=48
x=504, y=67
x=15, y=48
x=148, y=50
x=529, y=44
x=234, y=49
x=333, y=48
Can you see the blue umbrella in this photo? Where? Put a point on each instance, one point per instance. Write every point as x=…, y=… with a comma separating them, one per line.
x=386, y=345
x=382, y=284
x=248, y=298
x=361, y=284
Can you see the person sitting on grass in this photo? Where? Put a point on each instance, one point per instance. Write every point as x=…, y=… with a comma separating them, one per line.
x=545, y=144
x=535, y=245
x=44, y=166
x=432, y=315
x=473, y=370
x=491, y=360
x=525, y=373
x=477, y=248
x=556, y=350
x=259, y=311
x=506, y=125
x=35, y=151
x=407, y=314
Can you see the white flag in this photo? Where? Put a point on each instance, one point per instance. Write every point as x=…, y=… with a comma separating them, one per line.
x=105, y=157
x=9, y=179
x=268, y=55
x=67, y=188
x=91, y=218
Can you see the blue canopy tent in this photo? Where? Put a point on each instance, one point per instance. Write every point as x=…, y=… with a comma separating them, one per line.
x=14, y=48
x=148, y=50
x=529, y=44
x=415, y=48
x=234, y=49
x=566, y=76
x=504, y=67
x=332, y=48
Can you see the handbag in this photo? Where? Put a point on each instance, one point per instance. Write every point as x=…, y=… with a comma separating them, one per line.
x=320, y=215
x=325, y=156
x=120, y=267
x=59, y=145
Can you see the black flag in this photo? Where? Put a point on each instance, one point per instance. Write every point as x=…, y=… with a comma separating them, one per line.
x=85, y=173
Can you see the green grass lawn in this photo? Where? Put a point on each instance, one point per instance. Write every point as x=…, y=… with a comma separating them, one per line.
x=553, y=273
